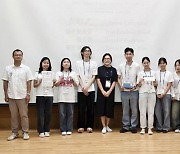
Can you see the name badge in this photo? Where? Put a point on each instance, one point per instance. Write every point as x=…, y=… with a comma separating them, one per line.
x=108, y=84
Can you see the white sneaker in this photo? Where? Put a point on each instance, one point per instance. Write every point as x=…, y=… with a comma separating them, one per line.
x=108, y=129
x=69, y=133
x=41, y=134
x=46, y=134
x=12, y=137
x=142, y=131
x=63, y=133
x=177, y=131
x=80, y=130
x=26, y=136
x=104, y=130
x=150, y=131
x=89, y=130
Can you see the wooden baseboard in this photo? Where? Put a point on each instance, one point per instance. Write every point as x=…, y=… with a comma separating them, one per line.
x=5, y=117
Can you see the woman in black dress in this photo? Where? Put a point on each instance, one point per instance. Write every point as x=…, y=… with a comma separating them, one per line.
x=106, y=81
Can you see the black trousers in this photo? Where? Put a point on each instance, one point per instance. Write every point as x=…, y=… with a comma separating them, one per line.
x=44, y=108
x=86, y=110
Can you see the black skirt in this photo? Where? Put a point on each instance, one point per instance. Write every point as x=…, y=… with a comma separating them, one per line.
x=105, y=105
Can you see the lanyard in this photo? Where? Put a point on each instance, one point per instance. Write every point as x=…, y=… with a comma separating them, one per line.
x=66, y=73
x=88, y=68
x=67, y=81
x=150, y=83
x=146, y=74
x=178, y=82
x=126, y=71
x=163, y=78
x=178, y=78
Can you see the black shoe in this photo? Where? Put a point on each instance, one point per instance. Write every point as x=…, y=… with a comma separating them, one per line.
x=134, y=130
x=165, y=131
x=123, y=130
x=158, y=131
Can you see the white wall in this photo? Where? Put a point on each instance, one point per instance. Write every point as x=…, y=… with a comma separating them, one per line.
x=57, y=29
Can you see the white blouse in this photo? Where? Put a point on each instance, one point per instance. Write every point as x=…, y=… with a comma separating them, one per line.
x=147, y=83
x=66, y=89
x=163, y=78
x=41, y=90
x=176, y=87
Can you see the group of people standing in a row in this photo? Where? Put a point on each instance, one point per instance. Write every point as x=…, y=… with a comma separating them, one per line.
x=149, y=91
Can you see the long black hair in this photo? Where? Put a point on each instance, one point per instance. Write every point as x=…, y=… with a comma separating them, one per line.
x=83, y=49
x=40, y=65
x=62, y=68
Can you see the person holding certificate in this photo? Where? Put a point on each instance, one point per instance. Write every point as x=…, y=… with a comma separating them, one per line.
x=127, y=80
x=147, y=96
x=163, y=103
x=176, y=98
x=66, y=81
x=43, y=82
x=106, y=81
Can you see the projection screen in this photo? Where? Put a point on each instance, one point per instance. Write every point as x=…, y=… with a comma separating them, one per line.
x=58, y=29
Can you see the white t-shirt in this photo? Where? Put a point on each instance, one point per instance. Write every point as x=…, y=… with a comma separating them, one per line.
x=86, y=70
x=43, y=90
x=128, y=73
x=163, y=78
x=147, y=83
x=17, y=78
x=66, y=90
x=176, y=86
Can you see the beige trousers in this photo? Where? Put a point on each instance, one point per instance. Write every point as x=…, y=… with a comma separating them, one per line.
x=19, y=107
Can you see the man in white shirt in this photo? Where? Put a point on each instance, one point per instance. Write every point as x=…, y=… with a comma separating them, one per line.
x=86, y=71
x=17, y=88
x=127, y=80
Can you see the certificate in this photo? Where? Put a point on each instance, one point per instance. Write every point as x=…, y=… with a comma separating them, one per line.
x=47, y=78
x=149, y=78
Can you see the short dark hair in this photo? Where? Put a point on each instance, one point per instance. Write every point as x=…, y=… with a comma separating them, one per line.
x=162, y=59
x=83, y=49
x=145, y=58
x=177, y=61
x=129, y=50
x=62, y=68
x=17, y=50
x=106, y=54
x=40, y=65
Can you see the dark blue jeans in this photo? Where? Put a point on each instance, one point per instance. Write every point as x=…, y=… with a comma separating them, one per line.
x=162, y=112
x=66, y=112
x=44, y=108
